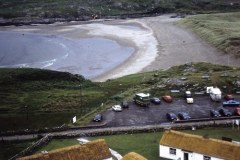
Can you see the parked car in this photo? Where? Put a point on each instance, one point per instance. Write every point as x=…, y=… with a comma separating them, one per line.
x=188, y=96
x=183, y=116
x=225, y=112
x=124, y=104
x=228, y=97
x=231, y=103
x=155, y=100
x=214, y=113
x=117, y=108
x=237, y=111
x=171, y=116
x=97, y=118
x=167, y=98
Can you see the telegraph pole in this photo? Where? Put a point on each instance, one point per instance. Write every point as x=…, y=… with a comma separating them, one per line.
x=80, y=94
x=26, y=109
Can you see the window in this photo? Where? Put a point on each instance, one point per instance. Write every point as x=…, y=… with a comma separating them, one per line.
x=172, y=151
x=206, y=158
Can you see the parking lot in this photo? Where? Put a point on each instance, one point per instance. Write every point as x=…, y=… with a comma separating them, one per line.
x=156, y=114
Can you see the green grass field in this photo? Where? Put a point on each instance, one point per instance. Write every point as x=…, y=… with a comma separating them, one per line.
x=221, y=30
x=146, y=144
x=9, y=149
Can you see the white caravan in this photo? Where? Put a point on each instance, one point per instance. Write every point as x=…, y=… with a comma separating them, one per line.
x=215, y=93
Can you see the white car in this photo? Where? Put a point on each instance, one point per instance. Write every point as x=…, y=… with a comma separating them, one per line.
x=189, y=100
x=117, y=108
x=188, y=96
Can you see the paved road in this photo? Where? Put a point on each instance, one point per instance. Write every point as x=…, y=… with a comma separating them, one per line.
x=156, y=114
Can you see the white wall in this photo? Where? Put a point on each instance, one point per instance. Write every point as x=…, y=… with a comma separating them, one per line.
x=164, y=152
x=197, y=156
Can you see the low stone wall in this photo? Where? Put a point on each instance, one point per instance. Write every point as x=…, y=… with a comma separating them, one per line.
x=31, y=149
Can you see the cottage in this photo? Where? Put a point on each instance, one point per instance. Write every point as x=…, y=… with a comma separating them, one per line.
x=133, y=156
x=95, y=150
x=182, y=146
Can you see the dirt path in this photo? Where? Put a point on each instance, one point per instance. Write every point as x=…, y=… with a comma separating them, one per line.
x=178, y=45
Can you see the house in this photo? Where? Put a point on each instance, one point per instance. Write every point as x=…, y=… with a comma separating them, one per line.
x=94, y=150
x=183, y=146
x=133, y=156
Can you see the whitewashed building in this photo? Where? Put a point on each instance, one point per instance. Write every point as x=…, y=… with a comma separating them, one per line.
x=182, y=146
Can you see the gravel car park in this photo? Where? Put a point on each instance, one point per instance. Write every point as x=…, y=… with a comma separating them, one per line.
x=137, y=115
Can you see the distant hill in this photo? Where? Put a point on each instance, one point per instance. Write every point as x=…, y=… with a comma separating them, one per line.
x=47, y=11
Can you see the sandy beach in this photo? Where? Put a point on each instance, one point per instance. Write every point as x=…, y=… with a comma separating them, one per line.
x=157, y=41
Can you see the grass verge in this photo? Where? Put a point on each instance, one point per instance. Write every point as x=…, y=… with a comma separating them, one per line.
x=221, y=30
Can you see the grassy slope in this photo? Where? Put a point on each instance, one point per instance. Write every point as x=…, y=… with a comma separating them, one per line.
x=56, y=96
x=9, y=149
x=51, y=95
x=146, y=144
x=78, y=8
x=221, y=30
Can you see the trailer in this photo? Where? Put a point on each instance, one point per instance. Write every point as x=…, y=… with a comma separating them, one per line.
x=142, y=99
x=214, y=93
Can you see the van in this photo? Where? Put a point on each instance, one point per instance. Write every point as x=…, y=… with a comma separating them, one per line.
x=142, y=99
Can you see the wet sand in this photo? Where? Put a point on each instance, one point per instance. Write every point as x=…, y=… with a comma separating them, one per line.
x=126, y=34
x=159, y=43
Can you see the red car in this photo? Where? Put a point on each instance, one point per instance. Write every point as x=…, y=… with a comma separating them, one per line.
x=237, y=111
x=167, y=98
x=228, y=97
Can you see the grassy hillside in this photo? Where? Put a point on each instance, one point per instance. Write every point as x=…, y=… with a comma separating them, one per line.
x=71, y=9
x=30, y=96
x=221, y=30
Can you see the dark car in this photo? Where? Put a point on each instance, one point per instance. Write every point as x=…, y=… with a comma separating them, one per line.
x=225, y=112
x=231, y=103
x=167, y=98
x=228, y=97
x=171, y=116
x=214, y=113
x=183, y=116
x=97, y=118
x=124, y=104
x=155, y=100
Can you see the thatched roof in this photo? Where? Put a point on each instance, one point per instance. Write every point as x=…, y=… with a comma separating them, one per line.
x=206, y=146
x=95, y=150
x=133, y=156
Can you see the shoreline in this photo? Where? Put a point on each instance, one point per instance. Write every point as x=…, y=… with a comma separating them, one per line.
x=142, y=57
x=158, y=42
x=127, y=33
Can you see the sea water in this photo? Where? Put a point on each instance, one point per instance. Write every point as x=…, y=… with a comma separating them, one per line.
x=89, y=57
